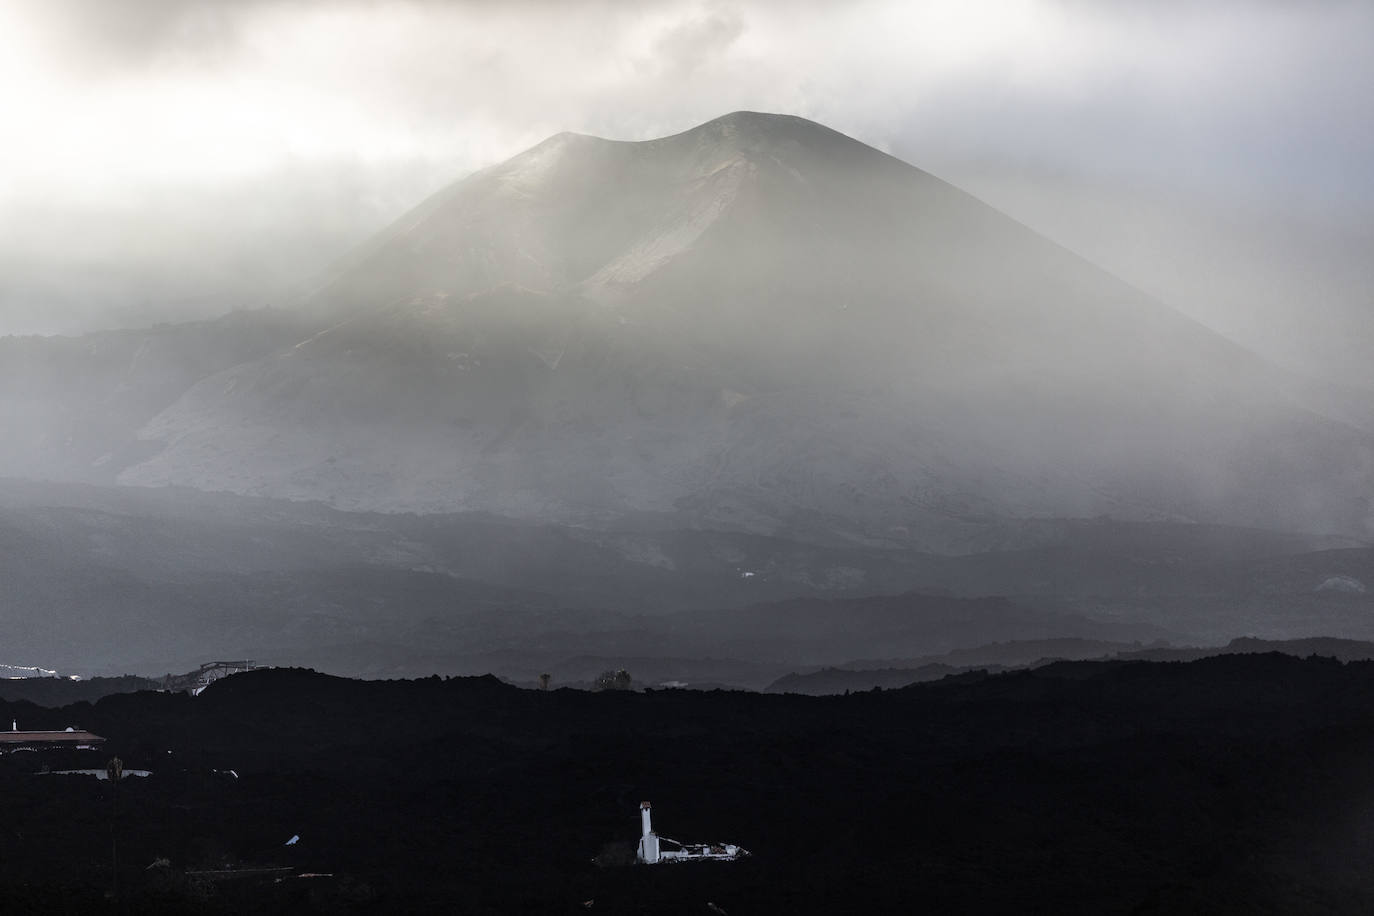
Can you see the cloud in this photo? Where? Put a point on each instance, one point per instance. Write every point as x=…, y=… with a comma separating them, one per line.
x=1255, y=87
x=125, y=119
x=686, y=46
x=94, y=37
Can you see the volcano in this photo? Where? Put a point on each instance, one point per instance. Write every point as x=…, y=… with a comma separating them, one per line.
x=759, y=324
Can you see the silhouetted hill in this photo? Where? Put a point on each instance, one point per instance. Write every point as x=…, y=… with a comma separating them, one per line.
x=1346, y=650
x=53, y=691
x=865, y=675
x=1012, y=652
x=829, y=681
x=1235, y=784
x=71, y=407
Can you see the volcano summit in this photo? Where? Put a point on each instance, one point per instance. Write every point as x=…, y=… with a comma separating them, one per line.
x=759, y=325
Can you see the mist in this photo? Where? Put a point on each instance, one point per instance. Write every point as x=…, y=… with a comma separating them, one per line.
x=177, y=159
x=927, y=444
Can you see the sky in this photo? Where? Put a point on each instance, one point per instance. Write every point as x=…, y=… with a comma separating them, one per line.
x=172, y=159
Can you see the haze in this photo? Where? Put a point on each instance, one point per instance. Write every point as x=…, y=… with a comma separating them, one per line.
x=488, y=403
x=169, y=159
x=622, y=311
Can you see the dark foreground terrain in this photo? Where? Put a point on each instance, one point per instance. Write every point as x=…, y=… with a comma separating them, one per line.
x=1241, y=783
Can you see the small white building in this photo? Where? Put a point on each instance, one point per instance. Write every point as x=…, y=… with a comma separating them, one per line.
x=655, y=850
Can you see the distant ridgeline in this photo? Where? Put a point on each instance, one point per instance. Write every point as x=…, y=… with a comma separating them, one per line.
x=52, y=691
x=858, y=675
x=12, y=671
x=55, y=691
x=890, y=674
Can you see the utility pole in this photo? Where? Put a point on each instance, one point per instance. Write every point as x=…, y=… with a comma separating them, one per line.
x=115, y=771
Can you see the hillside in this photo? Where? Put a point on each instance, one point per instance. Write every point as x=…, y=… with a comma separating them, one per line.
x=758, y=325
x=997, y=657
x=71, y=407
x=1232, y=785
x=113, y=580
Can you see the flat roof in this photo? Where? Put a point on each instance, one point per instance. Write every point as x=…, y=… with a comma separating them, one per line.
x=64, y=737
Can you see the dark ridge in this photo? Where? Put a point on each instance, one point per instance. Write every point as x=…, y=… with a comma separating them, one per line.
x=1231, y=784
x=54, y=691
x=1023, y=655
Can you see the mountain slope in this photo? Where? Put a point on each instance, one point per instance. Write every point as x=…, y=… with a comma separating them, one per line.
x=150, y=580
x=758, y=324
x=71, y=407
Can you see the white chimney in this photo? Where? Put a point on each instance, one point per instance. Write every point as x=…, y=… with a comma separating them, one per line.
x=648, y=842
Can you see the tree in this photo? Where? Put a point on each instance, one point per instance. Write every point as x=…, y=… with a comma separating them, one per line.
x=613, y=680
x=544, y=681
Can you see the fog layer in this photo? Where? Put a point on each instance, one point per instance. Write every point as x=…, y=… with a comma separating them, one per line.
x=762, y=325
x=168, y=159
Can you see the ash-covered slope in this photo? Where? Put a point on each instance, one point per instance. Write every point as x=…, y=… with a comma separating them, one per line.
x=758, y=324
x=71, y=407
